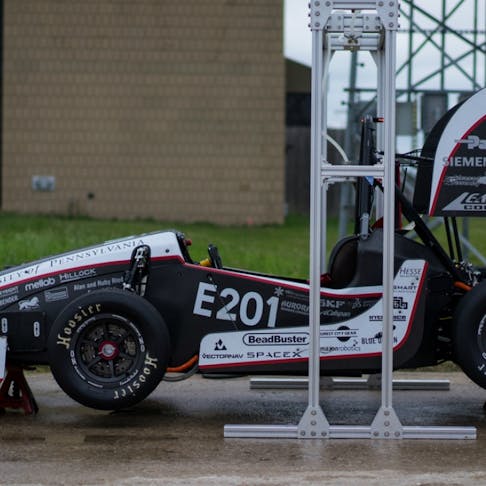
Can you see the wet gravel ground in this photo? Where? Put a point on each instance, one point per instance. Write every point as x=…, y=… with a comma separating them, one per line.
x=176, y=437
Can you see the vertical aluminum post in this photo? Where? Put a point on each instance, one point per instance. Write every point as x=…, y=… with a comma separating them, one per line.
x=379, y=58
x=314, y=423
x=326, y=55
x=386, y=423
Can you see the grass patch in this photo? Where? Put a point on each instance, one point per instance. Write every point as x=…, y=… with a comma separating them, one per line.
x=276, y=249
x=475, y=231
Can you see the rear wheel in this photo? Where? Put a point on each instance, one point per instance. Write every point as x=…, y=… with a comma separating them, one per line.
x=470, y=334
x=109, y=349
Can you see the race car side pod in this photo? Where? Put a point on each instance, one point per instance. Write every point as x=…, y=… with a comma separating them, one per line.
x=428, y=237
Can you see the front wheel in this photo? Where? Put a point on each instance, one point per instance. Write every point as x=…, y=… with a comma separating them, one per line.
x=108, y=349
x=470, y=334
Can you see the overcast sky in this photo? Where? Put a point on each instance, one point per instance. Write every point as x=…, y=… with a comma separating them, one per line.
x=298, y=42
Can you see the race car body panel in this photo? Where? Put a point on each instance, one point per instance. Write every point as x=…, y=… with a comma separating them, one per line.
x=208, y=308
x=112, y=319
x=351, y=326
x=31, y=296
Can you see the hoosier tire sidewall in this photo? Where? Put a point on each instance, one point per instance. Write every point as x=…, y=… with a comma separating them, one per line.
x=469, y=331
x=141, y=320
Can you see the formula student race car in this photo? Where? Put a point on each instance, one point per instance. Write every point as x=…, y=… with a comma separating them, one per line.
x=111, y=320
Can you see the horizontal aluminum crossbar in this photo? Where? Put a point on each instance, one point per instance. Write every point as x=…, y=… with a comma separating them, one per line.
x=331, y=383
x=331, y=15
x=329, y=170
x=354, y=4
x=371, y=42
x=348, y=432
x=349, y=23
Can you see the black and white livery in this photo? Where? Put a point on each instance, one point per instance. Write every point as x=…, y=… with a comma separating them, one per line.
x=111, y=320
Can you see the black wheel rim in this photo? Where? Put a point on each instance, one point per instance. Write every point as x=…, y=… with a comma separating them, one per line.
x=109, y=349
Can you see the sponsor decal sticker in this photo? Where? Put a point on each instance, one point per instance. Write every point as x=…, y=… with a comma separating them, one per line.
x=40, y=284
x=54, y=295
x=376, y=340
x=101, y=283
x=472, y=142
x=379, y=318
x=343, y=333
x=29, y=304
x=77, y=275
x=350, y=348
x=460, y=180
x=219, y=346
x=273, y=355
x=9, y=291
x=276, y=339
x=9, y=300
x=279, y=291
x=459, y=172
x=409, y=272
x=295, y=307
x=222, y=356
x=410, y=289
x=95, y=252
x=468, y=201
x=22, y=274
x=458, y=161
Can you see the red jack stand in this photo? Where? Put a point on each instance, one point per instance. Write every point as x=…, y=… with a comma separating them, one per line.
x=15, y=391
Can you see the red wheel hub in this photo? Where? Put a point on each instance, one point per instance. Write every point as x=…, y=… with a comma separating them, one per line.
x=108, y=350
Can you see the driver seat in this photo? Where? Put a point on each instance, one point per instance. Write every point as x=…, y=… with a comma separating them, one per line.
x=342, y=263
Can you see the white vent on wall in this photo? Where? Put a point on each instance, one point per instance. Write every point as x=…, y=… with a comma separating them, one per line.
x=43, y=183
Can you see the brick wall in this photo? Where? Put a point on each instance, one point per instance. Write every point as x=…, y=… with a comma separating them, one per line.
x=163, y=109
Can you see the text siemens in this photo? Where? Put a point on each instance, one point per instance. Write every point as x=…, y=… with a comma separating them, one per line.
x=465, y=161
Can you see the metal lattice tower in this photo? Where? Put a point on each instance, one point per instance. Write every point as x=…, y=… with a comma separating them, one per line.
x=443, y=51
x=454, y=38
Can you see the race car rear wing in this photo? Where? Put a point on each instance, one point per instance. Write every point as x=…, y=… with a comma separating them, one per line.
x=451, y=177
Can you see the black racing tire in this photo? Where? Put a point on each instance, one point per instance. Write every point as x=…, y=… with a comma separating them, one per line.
x=108, y=349
x=469, y=337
